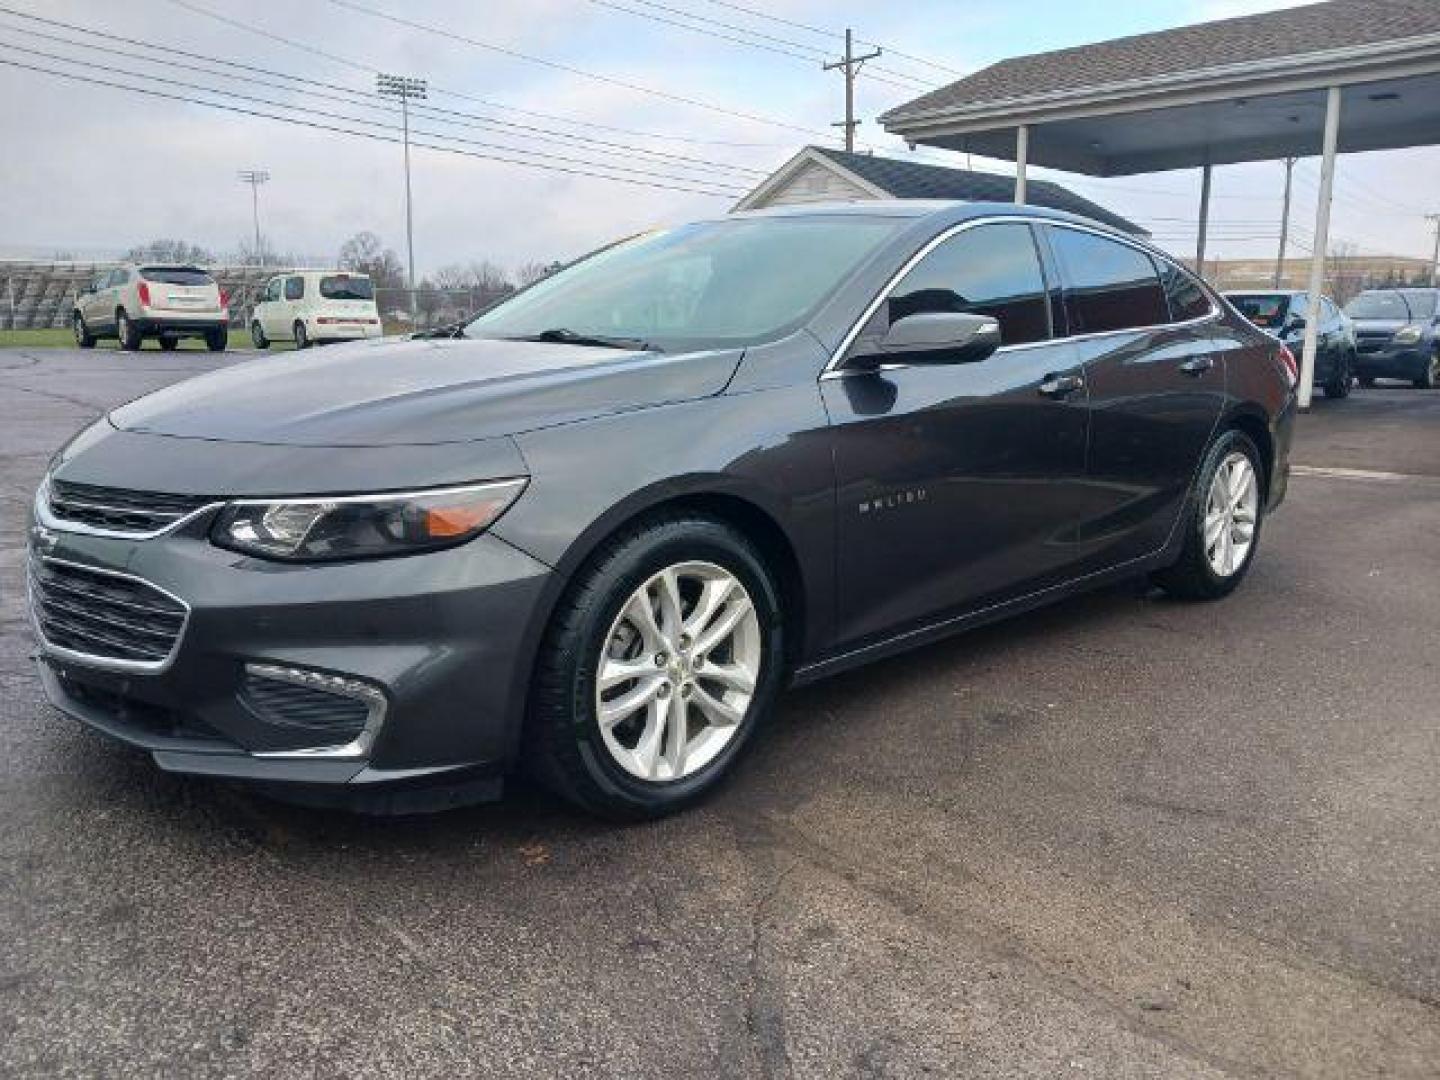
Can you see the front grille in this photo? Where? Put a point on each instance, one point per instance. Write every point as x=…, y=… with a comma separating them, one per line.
x=118, y=509
x=287, y=704
x=104, y=616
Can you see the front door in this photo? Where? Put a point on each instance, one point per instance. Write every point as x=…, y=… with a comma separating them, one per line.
x=957, y=482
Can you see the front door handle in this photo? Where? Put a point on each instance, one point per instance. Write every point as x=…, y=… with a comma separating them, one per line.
x=1198, y=366
x=1059, y=386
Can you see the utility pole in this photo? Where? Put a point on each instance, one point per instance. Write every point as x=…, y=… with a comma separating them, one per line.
x=1284, y=222
x=1434, y=220
x=851, y=66
x=405, y=89
x=255, y=177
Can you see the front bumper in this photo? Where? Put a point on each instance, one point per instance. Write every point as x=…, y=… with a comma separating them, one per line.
x=438, y=640
x=1394, y=361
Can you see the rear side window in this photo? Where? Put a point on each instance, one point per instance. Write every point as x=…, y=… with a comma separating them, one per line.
x=1187, y=297
x=176, y=275
x=1108, y=285
x=346, y=287
x=988, y=270
x=294, y=288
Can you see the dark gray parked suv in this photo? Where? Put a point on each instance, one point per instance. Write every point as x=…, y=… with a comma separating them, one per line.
x=1398, y=331
x=600, y=528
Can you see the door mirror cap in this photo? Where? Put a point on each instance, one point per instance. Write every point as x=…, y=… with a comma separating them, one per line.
x=1297, y=322
x=938, y=337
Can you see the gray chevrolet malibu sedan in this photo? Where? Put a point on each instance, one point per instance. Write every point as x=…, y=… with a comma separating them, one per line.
x=596, y=530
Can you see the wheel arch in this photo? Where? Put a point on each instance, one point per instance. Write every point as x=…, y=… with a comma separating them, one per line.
x=1250, y=420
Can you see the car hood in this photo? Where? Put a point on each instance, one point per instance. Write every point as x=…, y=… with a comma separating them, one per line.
x=420, y=392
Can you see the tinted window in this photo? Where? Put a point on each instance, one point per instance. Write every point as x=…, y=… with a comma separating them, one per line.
x=346, y=287
x=1268, y=310
x=732, y=281
x=294, y=288
x=1108, y=285
x=1187, y=297
x=990, y=270
x=1378, y=305
x=176, y=275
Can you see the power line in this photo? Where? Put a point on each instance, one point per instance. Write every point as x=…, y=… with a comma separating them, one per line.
x=693, y=186
x=911, y=83
x=439, y=115
x=834, y=34
x=370, y=69
x=556, y=65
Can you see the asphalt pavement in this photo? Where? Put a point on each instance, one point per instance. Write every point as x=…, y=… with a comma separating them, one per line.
x=1122, y=837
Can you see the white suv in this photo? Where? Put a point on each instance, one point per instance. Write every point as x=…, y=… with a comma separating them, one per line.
x=131, y=303
x=315, y=306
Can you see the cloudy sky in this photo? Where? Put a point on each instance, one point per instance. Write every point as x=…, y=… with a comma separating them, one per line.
x=697, y=119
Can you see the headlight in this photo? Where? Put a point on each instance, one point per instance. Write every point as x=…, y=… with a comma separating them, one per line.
x=1407, y=335
x=363, y=526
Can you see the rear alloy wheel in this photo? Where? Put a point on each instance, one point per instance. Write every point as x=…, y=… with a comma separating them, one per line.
x=125, y=331
x=660, y=664
x=83, y=338
x=302, y=337
x=1223, y=523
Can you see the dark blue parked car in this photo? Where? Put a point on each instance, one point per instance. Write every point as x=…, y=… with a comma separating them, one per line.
x=1398, y=331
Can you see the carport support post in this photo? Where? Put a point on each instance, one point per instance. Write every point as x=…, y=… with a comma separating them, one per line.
x=1322, y=240
x=1202, y=233
x=1022, y=151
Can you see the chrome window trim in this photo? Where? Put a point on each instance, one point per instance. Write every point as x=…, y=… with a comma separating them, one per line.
x=104, y=663
x=46, y=518
x=834, y=369
x=372, y=696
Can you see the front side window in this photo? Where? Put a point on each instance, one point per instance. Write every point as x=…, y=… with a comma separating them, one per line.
x=1108, y=285
x=711, y=284
x=272, y=290
x=989, y=270
x=294, y=288
x=1266, y=310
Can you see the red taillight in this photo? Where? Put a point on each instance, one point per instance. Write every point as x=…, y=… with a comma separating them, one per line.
x=144, y=291
x=224, y=299
x=1292, y=369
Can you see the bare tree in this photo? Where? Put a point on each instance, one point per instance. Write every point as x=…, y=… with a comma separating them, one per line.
x=365, y=253
x=169, y=251
x=531, y=272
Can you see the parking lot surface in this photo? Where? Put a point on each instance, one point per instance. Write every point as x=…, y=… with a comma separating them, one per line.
x=1120, y=837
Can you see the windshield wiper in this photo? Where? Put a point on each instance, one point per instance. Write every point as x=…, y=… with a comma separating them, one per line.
x=572, y=337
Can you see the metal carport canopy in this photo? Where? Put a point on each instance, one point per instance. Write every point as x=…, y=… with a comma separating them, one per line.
x=1346, y=75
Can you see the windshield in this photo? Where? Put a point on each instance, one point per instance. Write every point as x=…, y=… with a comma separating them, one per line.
x=176, y=275
x=1266, y=311
x=1423, y=302
x=1378, y=305
x=706, y=285
x=346, y=287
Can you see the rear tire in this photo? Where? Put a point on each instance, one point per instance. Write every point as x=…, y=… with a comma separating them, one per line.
x=629, y=769
x=1216, y=524
x=169, y=343
x=217, y=339
x=83, y=338
x=125, y=332
x=302, y=337
x=257, y=336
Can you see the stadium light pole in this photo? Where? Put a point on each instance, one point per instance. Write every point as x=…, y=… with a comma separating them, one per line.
x=255, y=177
x=397, y=86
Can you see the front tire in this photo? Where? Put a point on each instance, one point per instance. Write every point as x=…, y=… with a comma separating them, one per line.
x=1339, y=385
x=257, y=335
x=661, y=662
x=83, y=338
x=125, y=332
x=1430, y=377
x=1222, y=522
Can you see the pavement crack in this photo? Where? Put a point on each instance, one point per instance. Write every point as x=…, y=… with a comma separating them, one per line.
x=765, y=1005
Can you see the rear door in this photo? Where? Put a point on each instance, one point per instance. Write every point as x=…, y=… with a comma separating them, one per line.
x=957, y=483
x=1155, y=369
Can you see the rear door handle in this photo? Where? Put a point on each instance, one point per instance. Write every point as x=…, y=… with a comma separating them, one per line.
x=1198, y=366
x=1059, y=386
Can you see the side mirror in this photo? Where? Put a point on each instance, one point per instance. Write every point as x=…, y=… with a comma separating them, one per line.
x=1296, y=322
x=939, y=337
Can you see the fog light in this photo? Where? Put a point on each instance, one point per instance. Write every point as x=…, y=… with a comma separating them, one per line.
x=342, y=715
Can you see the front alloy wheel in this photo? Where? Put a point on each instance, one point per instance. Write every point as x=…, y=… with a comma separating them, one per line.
x=678, y=671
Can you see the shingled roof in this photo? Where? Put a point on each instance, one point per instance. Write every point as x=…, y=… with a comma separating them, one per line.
x=914, y=180
x=1314, y=28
